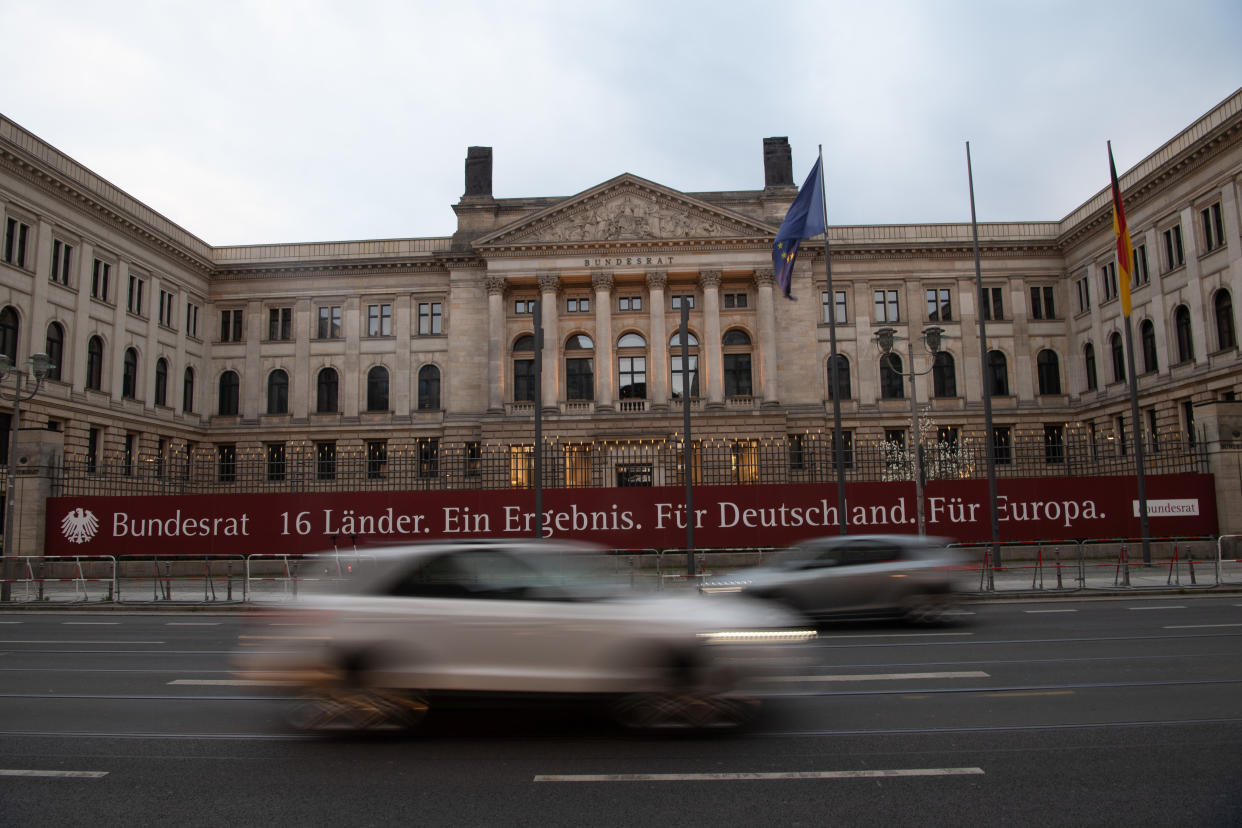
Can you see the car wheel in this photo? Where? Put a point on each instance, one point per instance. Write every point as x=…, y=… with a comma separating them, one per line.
x=343, y=709
x=684, y=711
x=925, y=609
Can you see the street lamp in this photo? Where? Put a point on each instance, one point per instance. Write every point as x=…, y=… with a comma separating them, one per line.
x=39, y=366
x=932, y=336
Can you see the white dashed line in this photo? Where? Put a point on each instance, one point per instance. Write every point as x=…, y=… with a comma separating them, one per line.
x=231, y=682
x=885, y=676
x=1200, y=626
x=192, y=624
x=90, y=623
x=742, y=777
x=1167, y=606
x=54, y=774
x=1034, y=612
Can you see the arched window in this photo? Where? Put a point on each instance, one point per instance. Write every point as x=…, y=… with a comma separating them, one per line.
x=1185, y=343
x=579, y=368
x=736, y=344
x=187, y=391
x=429, y=388
x=377, y=389
x=892, y=386
x=8, y=333
x=325, y=391
x=278, y=392
x=1119, y=357
x=129, y=375
x=842, y=391
x=998, y=374
x=523, y=369
x=1049, y=369
x=944, y=375
x=1147, y=340
x=229, y=385
x=1088, y=358
x=161, y=381
x=677, y=378
x=55, y=349
x=1226, y=337
x=94, y=363
x=632, y=367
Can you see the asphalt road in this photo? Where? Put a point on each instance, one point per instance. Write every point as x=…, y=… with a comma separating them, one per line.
x=1105, y=712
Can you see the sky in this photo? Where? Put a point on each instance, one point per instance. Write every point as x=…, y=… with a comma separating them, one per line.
x=267, y=121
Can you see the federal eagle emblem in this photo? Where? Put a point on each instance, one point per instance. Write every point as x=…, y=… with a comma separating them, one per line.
x=80, y=525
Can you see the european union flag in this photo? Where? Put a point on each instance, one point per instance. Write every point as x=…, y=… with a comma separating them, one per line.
x=804, y=220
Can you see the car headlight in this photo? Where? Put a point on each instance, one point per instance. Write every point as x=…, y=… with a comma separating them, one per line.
x=719, y=589
x=757, y=636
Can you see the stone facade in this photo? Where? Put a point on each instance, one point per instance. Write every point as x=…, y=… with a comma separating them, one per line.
x=443, y=318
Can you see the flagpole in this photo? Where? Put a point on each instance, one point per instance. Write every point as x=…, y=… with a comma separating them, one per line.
x=833, y=369
x=988, y=438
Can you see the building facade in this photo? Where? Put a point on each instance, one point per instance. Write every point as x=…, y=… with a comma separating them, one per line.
x=166, y=350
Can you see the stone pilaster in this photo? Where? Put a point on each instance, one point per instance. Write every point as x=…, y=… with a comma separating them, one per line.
x=495, y=342
x=549, y=292
x=604, y=373
x=709, y=281
x=765, y=281
x=657, y=372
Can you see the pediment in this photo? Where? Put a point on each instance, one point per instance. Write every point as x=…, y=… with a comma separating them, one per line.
x=627, y=208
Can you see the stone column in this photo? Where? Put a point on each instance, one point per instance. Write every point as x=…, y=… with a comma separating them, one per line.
x=657, y=371
x=495, y=343
x=765, y=279
x=549, y=286
x=709, y=280
x=604, y=385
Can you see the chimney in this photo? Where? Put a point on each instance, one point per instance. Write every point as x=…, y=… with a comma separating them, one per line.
x=479, y=172
x=777, y=163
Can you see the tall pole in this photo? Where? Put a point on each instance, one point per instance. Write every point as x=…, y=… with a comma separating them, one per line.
x=10, y=490
x=687, y=453
x=538, y=459
x=989, y=439
x=838, y=450
x=1137, y=430
x=915, y=442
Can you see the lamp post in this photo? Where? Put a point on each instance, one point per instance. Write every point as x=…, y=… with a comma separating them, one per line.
x=932, y=336
x=39, y=364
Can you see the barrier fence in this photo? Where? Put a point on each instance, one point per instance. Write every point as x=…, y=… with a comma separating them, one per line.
x=1031, y=567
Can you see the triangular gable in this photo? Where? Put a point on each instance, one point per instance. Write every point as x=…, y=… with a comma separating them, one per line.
x=627, y=208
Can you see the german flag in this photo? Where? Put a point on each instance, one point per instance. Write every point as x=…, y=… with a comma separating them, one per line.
x=1125, y=250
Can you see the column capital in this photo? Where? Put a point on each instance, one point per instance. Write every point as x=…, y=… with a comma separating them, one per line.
x=494, y=284
x=765, y=276
x=602, y=281
x=549, y=282
x=709, y=278
x=657, y=279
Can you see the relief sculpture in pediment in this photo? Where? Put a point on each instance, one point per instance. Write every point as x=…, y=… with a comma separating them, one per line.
x=627, y=217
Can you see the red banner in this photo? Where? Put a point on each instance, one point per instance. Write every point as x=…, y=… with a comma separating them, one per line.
x=1048, y=508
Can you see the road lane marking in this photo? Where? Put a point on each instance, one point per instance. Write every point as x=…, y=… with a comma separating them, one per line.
x=192, y=624
x=54, y=774
x=885, y=676
x=232, y=682
x=90, y=623
x=1033, y=693
x=1032, y=612
x=832, y=637
x=742, y=777
x=18, y=622
x=1167, y=606
x=63, y=641
x=1200, y=626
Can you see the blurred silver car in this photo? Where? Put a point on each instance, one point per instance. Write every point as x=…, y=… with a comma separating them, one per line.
x=865, y=576
x=423, y=622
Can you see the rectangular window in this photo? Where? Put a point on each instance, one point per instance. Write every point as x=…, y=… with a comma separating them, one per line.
x=428, y=457
x=886, y=308
x=1108, y=281
x=1084, y=295
x=839, y=310
x=92, y=449
x=166, y=309
x=377, y=459
x=431, y=318
x=1213, y=228
x=735, y=300
x=134, y=303
x=1188, y=421
x=523, y=306
x=127, y=456
x=474, y=459
x=15, y=236
x=680, y=298
x=329, y=322
x=521, y=466
x=191, y=319
x=325, y=461
x=279, y=324
x=226, y=463
x=577, y=465
x=1002, y=445
x=1054, y=443
x=1121, y=437
x=1042, y=306
x=1153, y=435
x=1141, y=273
x=275, y=462
x=62, y=256
x=744, y=461
x=100, y=272
x=993, y=303
x=847, y=449
x=797, y=452
x=578, y=304
x=231, y=326
x=161, y=453
x=947, y=436
x=630, y=303
x=939, y=305
x=634, y=474
x=379, y=320
x=1174, y=254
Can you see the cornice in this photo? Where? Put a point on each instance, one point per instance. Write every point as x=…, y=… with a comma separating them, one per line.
x=325, y=268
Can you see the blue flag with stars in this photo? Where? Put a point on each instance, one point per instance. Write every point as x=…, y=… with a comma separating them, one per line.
x=804, y=220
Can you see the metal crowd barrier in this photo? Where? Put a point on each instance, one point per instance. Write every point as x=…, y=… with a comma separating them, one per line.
x=1229, y=560
x=205, y=580
x=62, y=579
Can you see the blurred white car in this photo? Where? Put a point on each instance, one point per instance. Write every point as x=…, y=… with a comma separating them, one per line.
x=914, y=577
x=512, y=617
